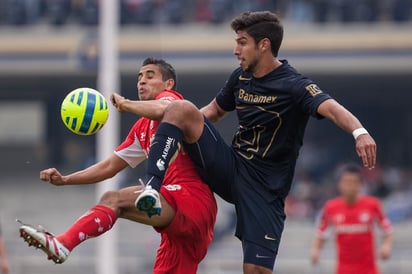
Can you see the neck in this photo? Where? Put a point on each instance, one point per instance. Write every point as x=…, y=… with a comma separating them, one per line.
x=351, y=200
x=267, y=67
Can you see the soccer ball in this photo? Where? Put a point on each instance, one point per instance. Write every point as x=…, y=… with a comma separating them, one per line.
x=84, y=111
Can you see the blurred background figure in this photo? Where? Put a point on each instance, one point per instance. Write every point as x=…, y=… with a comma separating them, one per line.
x=352, y=217
x=148, y=12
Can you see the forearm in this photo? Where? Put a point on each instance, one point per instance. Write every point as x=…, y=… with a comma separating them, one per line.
x=339, y=115
x=96, y=173
x=3, y=254
x=151, y=109
x=387, y=241
x=316, y=249
x=84, y=177
x=318, y=243
x=365, y=144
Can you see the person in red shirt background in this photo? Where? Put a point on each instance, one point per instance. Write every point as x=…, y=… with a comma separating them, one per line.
x=352, y=217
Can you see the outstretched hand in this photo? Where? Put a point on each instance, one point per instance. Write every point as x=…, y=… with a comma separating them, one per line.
x=366, y=149
x=52, y=176
x=117, y=100
x=385, y=252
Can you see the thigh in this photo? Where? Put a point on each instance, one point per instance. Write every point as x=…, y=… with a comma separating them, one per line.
x=256, y=255
x=126, y=206
x=192, y=226
x=258, y=221
x=215, y=161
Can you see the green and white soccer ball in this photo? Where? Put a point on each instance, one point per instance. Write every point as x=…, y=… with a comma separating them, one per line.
x=84, y=111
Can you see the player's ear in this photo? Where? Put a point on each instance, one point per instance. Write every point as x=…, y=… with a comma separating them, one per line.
x=170, y=83
x=264, y=44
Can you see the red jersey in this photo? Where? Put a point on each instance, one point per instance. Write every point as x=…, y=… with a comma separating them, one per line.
x=353, y=226
x=135, y=148
x=185, y=241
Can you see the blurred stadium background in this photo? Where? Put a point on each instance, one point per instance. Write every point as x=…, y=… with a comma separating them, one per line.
x=360, y=51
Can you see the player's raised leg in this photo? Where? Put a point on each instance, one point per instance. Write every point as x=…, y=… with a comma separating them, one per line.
x=181, y=121
x=96, y=221
x=40, y=238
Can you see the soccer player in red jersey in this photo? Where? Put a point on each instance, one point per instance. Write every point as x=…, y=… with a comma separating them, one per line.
x=189, y=208
x=352, y=217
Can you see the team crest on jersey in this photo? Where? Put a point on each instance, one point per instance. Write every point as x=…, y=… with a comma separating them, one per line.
x=339, y=218
x=364, y=217
x=313, y=89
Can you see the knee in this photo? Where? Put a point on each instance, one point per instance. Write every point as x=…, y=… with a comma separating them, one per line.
x=110, y=199
x=187, y=117
x=180, y=111
x=255, y=269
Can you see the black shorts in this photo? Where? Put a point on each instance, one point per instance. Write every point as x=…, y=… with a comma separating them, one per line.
x=259, y=221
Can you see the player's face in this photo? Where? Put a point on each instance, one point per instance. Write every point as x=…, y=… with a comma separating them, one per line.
x=350, y=185
x=150, y=82
x=246, y=51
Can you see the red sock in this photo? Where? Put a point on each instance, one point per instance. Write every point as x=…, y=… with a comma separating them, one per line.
x=93, y=223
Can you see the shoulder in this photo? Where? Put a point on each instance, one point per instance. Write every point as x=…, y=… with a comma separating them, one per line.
x=370, y=200
x=239, y=71
x=238, y=74
x=333, y=203
x=290, y=78
x=169, y=95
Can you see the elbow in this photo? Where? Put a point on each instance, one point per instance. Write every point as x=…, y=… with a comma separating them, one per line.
x=213, y=112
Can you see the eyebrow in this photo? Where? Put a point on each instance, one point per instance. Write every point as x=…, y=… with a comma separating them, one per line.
x=146, y=71
x=237, y=39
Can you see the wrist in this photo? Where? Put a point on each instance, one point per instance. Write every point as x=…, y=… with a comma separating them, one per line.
x=359, y=131
x=124, y=105
x=65, y=180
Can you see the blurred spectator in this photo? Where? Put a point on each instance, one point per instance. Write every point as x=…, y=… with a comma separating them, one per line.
x=22, y=12
x=138, y=11
x=202, y=11
x=175, y=10
x=3, y=11
x=60, y=12
x=300, y=11
x=89, y=12
x=401, y=10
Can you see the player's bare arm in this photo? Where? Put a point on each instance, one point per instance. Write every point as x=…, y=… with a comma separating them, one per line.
x=4, y=263
x=93, y=174
x=151, y=109
x=213, y=112
x=386, y=247
x=316, y=249
x=365, y=144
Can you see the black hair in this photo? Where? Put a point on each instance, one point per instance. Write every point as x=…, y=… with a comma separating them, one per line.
x=167, y=70
x=350, y=168
x=259, y=25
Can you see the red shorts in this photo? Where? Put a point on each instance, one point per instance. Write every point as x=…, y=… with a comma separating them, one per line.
x=185, y=241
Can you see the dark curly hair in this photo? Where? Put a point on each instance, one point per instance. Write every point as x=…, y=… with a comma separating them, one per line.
x=259, y=25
